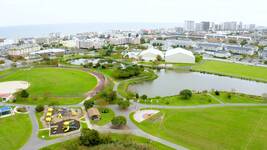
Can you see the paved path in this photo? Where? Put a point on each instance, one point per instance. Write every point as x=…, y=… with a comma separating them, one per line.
x=34, y=140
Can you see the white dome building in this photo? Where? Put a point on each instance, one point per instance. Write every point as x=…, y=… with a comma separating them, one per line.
x=151, y=54
x=179, y=55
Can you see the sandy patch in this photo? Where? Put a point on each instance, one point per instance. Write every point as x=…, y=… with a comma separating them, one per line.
x=142, y=115
x=11, y=87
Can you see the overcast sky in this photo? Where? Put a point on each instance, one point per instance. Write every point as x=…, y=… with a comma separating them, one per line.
x=24, y=12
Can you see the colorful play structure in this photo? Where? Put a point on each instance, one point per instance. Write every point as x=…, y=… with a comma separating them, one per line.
x=62, y=120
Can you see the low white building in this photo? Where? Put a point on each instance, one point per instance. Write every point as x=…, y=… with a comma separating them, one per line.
x=151, y=54
x=23, y=50
x=49, y=51
x=95, y=43
x=69, y=43
x=124, y=40
x=179, y=55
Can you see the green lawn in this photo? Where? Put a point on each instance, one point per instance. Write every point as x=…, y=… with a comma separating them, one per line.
x=54, y=85
x=105, y=118
x=197, y=99
x=74, y=143
x=44, y=134
x=232, y=69
x=212, y=128
x=14, y=131
x=38, y=116
x=239, y=98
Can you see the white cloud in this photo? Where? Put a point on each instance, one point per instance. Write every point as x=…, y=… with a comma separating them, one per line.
x=20, y=12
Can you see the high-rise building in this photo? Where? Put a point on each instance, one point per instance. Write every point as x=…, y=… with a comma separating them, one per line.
x=198, y=27
x=252, y=27
x=230, y=26
x=240, y=26
x=205, y=25
x=189, y=25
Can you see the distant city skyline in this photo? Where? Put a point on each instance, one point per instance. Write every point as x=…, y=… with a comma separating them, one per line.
x=35, y=12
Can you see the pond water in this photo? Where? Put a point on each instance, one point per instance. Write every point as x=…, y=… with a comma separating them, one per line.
x=171, y=82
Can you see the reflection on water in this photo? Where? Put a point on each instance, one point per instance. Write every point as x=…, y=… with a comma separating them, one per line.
x=172, y=82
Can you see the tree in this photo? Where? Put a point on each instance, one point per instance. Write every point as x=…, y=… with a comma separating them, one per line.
x=24, y=94
x=136, y=95
x=243, y=42
x=89, y=137
x=124, y=104
x=144, y=97
x=159, y=58
x=119, y=121
x=198, y=58
x=142, y=41
x=88, y=104
x=186, y=94
x=39, y=108
x=232, y=41
x=217, y=93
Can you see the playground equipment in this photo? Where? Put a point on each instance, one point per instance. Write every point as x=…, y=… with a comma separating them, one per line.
x=48, y=119
x=73, y=112
x=59, y=116
x=66, y=126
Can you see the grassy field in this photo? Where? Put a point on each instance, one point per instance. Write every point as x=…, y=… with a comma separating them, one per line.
x=197, y=99
x=204, y=98
x=44, y=134
x=74, y=143
x=105, y=118
x=212, y=128
x=233, y=69
x=14, y=131
x=227, y=97
x=54, y=85
x=38, y=116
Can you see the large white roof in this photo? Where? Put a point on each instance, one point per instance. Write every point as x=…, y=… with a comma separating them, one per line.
x=49, y=51
x=178, y=50
x=152, y=51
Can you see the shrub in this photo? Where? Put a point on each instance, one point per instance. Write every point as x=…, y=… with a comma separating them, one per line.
x=136, y=95
x=104, y=110
x=186, y=94
x=124, y=104
x=144, y=97
x=39, y=108
x=119, y=121
x=217, y=93
x=198, y=58
x=229, y=96
x=88, y=104
x=89, y=137
x=21, y=109
x=24, y=94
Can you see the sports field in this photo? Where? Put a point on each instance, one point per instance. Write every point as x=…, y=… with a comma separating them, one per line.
x=233, y=69
x=212, y=128
x=54, y=85
x=14, y=131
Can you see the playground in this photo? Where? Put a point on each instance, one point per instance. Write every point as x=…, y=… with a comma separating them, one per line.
x=65, y=126
x=61, y=120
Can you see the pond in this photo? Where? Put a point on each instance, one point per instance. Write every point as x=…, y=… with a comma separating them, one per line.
x=171, y=82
